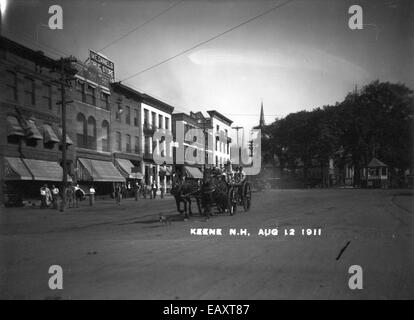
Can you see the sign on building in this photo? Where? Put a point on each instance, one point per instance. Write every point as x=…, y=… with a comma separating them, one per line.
x=102, y=63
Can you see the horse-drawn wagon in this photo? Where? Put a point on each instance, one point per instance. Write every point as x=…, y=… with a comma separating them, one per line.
x=216, y=190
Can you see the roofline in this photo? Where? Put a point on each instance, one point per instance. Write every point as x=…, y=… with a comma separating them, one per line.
x=153, y=102
x=26, y=52
x=120, y=86
x=216, y=114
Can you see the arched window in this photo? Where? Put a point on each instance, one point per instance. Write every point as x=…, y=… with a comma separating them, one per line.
x=105, y=136
x=91, y=133
x=81, y=131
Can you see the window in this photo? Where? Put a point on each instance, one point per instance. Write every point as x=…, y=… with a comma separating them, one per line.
x=11, y=84
x=160, y=121
x=384, y=171
x=154, y=119
x=105, y=99
x=105, y=136
x=136, y=118
x=217, y=128
x=128, y=115
x=90, y=95
x=118, y=141
x=29, y=91
x=146, y=117
x=91, y=133
x=128, y=143
x=167, y=123
x=80, y=86
x=136, y=144
x=47, y=96
x=81, y=131
x=118, y=112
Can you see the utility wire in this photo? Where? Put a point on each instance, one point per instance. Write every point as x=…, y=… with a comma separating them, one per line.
x=141, y=25
x=208, y=40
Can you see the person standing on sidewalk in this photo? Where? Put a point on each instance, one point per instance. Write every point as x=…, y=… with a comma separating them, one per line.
x=91, y=196
x=55, y=196
x=154, y=188
x=43, y=197
x=118, y=194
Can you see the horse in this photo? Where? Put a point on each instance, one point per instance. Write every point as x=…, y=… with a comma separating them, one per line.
x=182, y=192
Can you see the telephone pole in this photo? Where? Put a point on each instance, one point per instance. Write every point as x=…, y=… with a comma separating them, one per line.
x=66, y=75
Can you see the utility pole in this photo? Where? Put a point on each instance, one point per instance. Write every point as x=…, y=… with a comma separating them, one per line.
x=65, y=77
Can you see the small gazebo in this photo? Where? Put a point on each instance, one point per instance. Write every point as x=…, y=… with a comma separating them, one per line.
x=377, y=174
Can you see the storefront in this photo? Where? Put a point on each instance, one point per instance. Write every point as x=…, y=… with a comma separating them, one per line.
x=24, y=178
x=101, y=174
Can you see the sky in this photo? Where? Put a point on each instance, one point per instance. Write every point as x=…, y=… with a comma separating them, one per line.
x=298, y=57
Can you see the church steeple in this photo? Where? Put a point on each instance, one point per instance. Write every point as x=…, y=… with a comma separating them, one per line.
x=262, y=121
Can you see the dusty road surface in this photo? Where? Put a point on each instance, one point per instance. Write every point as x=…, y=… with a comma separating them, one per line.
x=123, y=252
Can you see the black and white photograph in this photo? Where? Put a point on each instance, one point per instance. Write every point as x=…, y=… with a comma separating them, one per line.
x=206, y=150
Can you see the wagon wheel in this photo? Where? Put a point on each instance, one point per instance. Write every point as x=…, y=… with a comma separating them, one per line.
x=232, y=201
x=247, y=197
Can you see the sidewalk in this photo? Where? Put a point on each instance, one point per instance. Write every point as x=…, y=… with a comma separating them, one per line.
x=29, y=220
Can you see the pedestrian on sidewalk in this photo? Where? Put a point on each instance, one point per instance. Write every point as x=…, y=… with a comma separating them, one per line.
x=55, y=197
x=118, y=194
x=91, y=196
x=154, y=188
x=78, y=195
x=43, y=195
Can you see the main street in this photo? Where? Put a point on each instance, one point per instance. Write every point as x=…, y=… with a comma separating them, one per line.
x=124, y=252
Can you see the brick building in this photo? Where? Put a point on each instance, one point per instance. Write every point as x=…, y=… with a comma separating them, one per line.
x=30, y=123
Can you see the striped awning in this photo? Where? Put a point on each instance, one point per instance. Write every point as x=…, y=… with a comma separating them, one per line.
x=13, y=127
x=98, y=170
x=49, y=136
x=32, y=132
x=42, y=170
x=127, y=169
x=15, y=169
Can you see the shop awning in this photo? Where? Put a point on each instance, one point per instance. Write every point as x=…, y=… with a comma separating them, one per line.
x=15, y=169
x=98, y=170
x=42, y=170
x=32, y=132
x=13, y=127
x=127, y=169
x=68, y=140
x=193, y=172
x=49, y=136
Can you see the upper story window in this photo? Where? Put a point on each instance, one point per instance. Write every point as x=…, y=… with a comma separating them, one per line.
x=128, y=115
x=128, y=143
x=29, y=91
x=167, y=123
x=136, y=118
x=47, y=95
x=80, y=87
x=160, y=121
x=146, y=117
x=137, y=143
x=217, y=128
x=154, y=119
x=90, y=95
x=118, y=112
x=118, y=141
x=105, y=136
x=11, y=85
x=105, y=99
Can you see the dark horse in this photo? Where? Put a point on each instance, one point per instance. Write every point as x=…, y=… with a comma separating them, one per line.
x=183, y=191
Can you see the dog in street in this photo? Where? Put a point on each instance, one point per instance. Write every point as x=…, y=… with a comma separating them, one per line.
x=164, y=220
